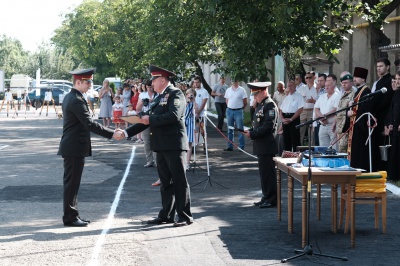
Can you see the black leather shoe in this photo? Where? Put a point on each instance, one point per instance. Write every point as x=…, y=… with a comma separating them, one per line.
x=228, y=149
x=258, y=203
x=86, y=221
x=160, y=221
x=182, y=223
x=77, y=223
x=267, y=205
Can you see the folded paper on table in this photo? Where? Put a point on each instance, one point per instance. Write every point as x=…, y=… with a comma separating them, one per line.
x=133, y=119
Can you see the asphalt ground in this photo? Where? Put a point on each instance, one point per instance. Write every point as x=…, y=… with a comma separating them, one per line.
x=117, y=196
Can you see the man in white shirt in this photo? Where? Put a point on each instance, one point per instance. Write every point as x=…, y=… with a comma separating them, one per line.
x=309, y=93
x=220, y=103
x=236, y=101
x=298, y=81
x=201, y=97
x=320, y=90
x=326, y=104
x=289, y=112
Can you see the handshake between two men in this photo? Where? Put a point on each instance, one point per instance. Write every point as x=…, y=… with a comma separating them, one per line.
x=119, y=134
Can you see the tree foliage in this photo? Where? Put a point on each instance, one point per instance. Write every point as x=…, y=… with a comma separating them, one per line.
x=12, y=56
x=53, y=62
x=124, y=36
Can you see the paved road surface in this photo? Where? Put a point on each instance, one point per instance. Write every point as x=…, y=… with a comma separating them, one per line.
x=117, y=196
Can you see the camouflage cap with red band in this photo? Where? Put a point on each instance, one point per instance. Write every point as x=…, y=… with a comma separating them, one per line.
x=160, y=72
x=83, y=73
x=256, y=87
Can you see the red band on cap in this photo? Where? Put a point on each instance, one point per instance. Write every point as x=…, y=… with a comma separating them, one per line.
x=84, y=76
x=160, y=74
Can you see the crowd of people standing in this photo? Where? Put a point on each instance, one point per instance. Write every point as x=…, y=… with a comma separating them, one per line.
x=375, y=118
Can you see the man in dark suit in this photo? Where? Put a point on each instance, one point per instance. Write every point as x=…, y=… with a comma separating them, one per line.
x=168, y=138
x=380, y=105
x=75, y=142
x=264, y=145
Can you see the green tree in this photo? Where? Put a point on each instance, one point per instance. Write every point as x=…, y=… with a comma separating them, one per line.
x=124, y=36
x=12, y=56
x=54, y=62
x=375, y=12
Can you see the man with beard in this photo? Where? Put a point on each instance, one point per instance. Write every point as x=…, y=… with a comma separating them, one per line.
x=358, y=152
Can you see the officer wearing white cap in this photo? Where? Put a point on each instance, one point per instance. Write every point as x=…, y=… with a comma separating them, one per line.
x=75, y=142
x=264, y=145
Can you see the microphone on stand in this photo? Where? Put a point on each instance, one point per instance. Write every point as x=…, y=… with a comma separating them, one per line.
x=381, y=91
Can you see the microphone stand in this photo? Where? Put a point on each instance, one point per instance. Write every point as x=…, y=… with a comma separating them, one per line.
x=307, y=250
x=208, y=180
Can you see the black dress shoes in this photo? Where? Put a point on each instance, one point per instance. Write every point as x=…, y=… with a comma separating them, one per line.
x=258, y=203
x=182, y=223
x=86, y=221
x=160, y=221
x=77, y=223
x=267, y=205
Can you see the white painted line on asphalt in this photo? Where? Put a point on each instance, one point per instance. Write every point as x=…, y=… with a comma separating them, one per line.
x=392, y=188
x=3, y=147
x=107, y=225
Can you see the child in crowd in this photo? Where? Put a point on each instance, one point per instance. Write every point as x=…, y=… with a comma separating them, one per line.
x=117, y=112
x=130, y=111
x=191, y=109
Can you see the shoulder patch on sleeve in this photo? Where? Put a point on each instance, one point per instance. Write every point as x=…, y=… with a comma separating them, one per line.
x=271, y=112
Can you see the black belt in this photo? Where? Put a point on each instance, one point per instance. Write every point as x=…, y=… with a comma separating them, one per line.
x=235, y=109
x=287, y=114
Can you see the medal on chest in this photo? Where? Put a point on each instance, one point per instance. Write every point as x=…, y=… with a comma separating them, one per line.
x=164, y=100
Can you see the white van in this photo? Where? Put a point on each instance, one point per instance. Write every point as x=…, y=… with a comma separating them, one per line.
x=20, y=82
x=57, y=82
x=116, y=81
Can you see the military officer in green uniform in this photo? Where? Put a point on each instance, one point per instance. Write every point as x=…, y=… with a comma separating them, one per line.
x=166, y=119
x=75, y=142
x=264, y=145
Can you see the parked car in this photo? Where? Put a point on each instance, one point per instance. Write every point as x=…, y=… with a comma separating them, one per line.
x=92, y=92
x=57, y=82
x=56, y=90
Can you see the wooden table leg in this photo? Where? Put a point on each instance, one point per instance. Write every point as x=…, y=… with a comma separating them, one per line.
x=334, y=208
x=278, y=192
x=353, y=217
x=319, y=202
x=303, y=215
x=290, y=204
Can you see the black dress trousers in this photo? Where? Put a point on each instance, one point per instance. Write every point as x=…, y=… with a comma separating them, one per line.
x=175, y=190
x=267, y=171
x=73, y=167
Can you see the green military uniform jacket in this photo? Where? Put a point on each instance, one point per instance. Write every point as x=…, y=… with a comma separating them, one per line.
x=264, y=128
x=167, y=122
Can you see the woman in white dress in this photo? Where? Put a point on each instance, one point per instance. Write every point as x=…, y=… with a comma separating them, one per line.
x=105, y=96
